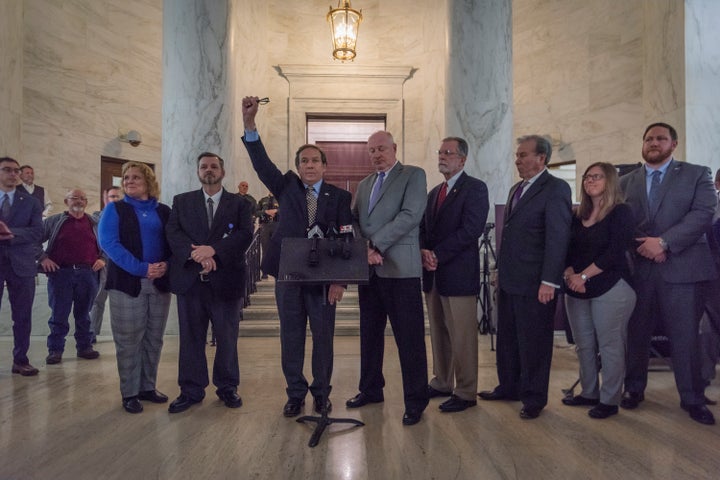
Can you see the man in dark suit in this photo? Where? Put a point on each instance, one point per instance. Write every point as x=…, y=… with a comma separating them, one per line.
x=208, y=232
x=454, y=220
x=305, y=200
x=20, y=232
x=27, y=177
x=673, y=203
x=535, y=236
x=389, y=206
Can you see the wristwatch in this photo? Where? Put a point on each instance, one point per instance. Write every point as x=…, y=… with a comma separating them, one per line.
x=584, y=277
x=663, y=244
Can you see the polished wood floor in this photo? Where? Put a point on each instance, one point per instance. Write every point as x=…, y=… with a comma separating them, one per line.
x=67, y=423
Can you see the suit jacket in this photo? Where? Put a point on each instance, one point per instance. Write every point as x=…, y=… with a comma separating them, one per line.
x=25, y=222
x=333, y=206
x=452, y=234
x=392, y=226
x=535, y=237
x=230, y=236
x=685, y=209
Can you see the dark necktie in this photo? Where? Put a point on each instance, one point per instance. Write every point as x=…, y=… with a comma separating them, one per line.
x=311, y=204
x=5, y=207
x=376, y=191
x=442, y=195
x=517, y=195
x=654, y=194
x=210, y=212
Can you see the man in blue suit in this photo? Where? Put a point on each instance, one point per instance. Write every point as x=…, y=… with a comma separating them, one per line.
x=673, y=203
x=389, y=206
x=20, y=232
x=535, y=237
x=305, y=201
x=208, y=232
x=454, y=220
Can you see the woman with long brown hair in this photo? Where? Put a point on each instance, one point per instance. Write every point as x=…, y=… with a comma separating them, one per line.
x=598, y=295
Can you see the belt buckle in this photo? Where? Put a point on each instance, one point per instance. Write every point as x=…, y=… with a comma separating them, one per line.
x=204, y=277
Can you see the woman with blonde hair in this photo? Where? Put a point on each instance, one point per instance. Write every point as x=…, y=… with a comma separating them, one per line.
x=132, y=233
x=598, y=296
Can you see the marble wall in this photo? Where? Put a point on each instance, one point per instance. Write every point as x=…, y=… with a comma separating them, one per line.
x=702, y=77
x=91, y=68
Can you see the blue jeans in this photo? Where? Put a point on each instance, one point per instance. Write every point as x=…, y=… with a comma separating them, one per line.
x=68, y=289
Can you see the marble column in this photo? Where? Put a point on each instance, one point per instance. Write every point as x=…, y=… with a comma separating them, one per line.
x=479, y=90
x=11, y=79
x=702, y=76
x=196, y=92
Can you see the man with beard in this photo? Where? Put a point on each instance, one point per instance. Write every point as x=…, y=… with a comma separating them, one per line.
x=71, y=261
x=208, y=232
x=673, y=203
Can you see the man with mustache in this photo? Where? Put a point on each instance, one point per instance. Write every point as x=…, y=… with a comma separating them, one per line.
x=673, y=203
x=208, y=232
x=71, y=261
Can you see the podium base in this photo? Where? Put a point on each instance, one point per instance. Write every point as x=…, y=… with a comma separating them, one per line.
x=322, y=423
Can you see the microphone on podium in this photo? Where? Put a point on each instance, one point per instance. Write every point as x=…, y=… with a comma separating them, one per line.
x=315, y=233
x=346, y=231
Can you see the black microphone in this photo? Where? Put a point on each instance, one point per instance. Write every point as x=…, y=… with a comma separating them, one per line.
x=347, y=232
x=331, y=236
x=313, y=255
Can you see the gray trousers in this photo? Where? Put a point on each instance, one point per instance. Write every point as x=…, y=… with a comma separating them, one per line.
x=138, y=325
x=98, y=309
x=600, y=325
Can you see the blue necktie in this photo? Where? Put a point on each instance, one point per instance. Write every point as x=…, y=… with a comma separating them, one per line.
x=517, y=195
x=654, y=194
x=5, y=207
x=376, y=191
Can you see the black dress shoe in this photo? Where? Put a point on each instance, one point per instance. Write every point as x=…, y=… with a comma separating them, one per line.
x=411, y=417
x=579, y=400
x=496, y=394
x=361, y=399
x=631, y=400
x=602, y=410
x=231, y=398
x=699, y=413
x=318, y=404
x=292, y=407
x=432, y=393
x=456, y=404
x=132, y=405
x=152, y=396
x=528, y=413
x=182, y=403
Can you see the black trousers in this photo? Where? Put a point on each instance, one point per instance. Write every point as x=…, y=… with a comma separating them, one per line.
x=400, y=300
x=196, y=308
x=524, y=347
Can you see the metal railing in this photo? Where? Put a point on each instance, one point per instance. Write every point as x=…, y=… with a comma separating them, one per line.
x=252, y=269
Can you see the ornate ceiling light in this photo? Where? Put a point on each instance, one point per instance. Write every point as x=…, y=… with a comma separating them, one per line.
x=344, y=24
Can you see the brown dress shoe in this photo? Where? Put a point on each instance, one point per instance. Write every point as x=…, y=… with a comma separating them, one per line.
x=53, y=358
x=88, y=354
x=25, y=370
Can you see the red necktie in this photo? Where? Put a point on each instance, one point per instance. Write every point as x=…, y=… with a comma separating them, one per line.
x=441, y=196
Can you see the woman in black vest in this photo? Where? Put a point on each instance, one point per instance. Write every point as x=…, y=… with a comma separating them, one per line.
x=132, y=233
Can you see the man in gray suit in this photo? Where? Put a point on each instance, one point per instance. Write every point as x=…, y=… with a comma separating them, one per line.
x=673, y=203
x=389, y=207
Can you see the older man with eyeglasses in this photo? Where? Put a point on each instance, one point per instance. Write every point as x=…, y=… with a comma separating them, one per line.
x=71, y=261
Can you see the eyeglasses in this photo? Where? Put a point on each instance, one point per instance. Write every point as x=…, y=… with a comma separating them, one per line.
x=594, y=177
x=446, y=152
x=263, y=101
x=16, y=171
